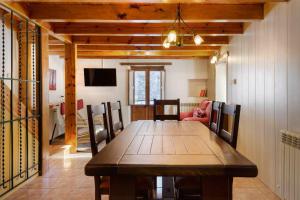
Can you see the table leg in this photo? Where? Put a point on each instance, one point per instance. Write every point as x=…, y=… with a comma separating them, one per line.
x=217, y=188
x=122, y=188
x=167, y=187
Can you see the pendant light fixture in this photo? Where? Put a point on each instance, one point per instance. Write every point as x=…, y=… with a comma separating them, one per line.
x=178, y=30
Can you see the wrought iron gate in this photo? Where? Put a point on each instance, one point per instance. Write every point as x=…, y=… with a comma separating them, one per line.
x=20, y=100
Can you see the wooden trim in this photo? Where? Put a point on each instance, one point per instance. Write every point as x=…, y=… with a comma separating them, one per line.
x=147, y=85
x=147, y=68
x=132, y=64
x=144, y=40
x=61, y=47
x=155, y=1
x=142, y=29
x=63, y=12
x=70, y=96
x=45, y=101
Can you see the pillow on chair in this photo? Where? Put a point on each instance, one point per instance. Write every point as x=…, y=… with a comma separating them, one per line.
x=198, y=112
x=204, y=104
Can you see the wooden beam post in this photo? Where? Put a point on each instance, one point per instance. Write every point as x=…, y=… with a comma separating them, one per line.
x=70, y=96
x=45, y=101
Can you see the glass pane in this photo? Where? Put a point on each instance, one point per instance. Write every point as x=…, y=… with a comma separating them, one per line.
x=155, y=86
x=140, y=87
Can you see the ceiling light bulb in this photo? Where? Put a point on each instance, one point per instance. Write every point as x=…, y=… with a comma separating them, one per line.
x=166, y=44
x=213, y=60
x=172, y=36
x=198, y=40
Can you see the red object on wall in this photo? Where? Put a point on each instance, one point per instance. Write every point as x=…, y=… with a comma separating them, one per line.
x=80, y=105
x=52, y=79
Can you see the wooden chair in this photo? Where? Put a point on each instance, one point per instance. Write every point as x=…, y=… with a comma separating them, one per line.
x=144, y=185
x=190, y=187
x=158, y=110
x=97, y=136
x=232, y=112
x=115, y=127
x=215, y=115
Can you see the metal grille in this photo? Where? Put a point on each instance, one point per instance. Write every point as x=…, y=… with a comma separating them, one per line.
x=20, y=112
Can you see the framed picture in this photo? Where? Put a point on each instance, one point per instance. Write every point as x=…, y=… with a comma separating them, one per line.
x=52, y=79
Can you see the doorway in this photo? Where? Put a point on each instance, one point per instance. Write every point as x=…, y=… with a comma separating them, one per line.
x=145, y=85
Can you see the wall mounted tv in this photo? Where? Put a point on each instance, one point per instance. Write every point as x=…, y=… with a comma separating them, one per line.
x=100, y=77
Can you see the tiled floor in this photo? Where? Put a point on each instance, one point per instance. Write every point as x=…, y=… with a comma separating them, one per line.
x=66, y=181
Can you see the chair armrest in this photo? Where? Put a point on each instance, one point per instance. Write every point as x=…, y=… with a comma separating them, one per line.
x=185, y=115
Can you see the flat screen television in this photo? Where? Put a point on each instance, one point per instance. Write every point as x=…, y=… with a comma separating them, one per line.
x=100, y=77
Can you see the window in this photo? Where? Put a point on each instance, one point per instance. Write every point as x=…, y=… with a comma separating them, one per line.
x=145, y=84
x=155, y=86
x=139, y=87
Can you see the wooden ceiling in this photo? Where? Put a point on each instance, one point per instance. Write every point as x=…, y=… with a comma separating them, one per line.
x=134, y=28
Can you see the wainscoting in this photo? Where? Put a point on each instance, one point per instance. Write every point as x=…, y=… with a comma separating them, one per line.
x=265, y=64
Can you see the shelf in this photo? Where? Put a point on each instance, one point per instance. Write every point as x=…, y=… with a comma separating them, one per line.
x=195, y=86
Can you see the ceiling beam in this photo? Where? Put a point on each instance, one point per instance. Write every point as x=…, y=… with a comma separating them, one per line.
x=145, y=41
x=123, y=12
x=146, y=53
x=108, y=53
x=23, y=11
x=139, y=29
x=155, y=1
x=133, y=48
x=136, y=55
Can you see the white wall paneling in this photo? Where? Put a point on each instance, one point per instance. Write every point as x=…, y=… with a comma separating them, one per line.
x=265, y=60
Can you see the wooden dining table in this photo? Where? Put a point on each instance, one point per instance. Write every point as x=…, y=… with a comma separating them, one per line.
x=170, y=148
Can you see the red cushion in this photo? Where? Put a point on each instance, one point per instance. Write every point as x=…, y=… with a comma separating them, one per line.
x=185, y=115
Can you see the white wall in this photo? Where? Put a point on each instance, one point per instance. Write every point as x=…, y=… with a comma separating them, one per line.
x=266, y=63
x=177, y=76
x=221, y=81
x=57, y=63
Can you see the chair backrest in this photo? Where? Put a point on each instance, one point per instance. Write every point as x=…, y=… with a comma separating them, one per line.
x=233, y=112
x=158, y=110
x=97, y=132
x=113, y=125
x=215, y=114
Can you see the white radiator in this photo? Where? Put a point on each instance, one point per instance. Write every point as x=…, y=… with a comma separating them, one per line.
x=188, y=107
x=291, y=165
